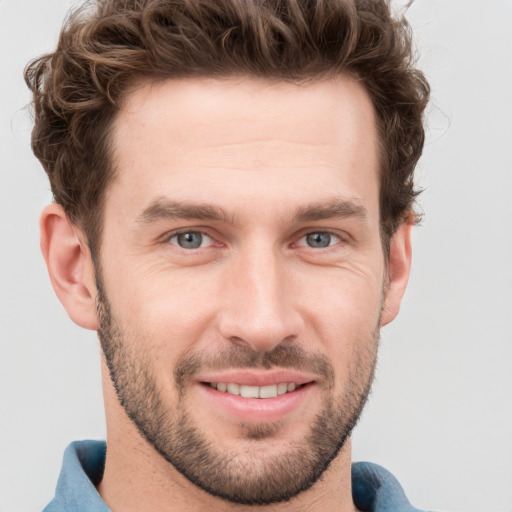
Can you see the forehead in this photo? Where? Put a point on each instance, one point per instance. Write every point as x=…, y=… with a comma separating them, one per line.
x=247, y=101
x=232, y=110
x=269, y=137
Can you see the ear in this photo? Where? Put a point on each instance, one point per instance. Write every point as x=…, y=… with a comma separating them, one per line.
x=398, y=269
x=69, y=265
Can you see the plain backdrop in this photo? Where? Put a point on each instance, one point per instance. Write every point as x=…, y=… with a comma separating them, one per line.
x=440, y=417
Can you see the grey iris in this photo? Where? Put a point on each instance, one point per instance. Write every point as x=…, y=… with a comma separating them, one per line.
x=190, y=240
x=318, y=240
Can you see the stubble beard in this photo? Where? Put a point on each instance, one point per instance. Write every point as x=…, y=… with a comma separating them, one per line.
x=242, y=478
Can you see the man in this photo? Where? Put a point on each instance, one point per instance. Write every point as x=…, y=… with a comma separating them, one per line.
x=233, y=207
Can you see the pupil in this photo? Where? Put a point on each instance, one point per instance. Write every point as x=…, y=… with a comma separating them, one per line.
x=190, y=240
x=319, y=239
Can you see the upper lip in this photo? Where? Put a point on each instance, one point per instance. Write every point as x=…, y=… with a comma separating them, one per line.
x=256, y=377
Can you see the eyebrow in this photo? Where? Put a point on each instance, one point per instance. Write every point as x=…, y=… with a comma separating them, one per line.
x=165, y=209
x=335, y=208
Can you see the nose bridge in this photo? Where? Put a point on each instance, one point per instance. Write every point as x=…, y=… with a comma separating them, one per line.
x=259, y=310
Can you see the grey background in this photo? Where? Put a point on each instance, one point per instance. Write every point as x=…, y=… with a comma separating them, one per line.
x=440, y=416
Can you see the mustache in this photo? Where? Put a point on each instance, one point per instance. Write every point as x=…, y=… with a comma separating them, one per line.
x=282, y=356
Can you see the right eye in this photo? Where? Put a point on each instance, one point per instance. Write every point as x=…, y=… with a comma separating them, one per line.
x=190, y=240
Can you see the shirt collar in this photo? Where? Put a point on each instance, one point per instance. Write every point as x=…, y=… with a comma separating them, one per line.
x=375, y=489
x=82, y=469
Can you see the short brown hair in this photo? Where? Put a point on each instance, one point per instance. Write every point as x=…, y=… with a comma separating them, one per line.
x=105, y=47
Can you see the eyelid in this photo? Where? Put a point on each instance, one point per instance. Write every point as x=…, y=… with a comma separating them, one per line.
x=342, y=237
x=331, y=244
x=166, y=239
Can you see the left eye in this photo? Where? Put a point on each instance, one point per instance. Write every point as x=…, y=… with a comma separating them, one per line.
x=190, y=240
x=319, y=240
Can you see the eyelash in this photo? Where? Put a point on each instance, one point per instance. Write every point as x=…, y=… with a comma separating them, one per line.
x=175, y=234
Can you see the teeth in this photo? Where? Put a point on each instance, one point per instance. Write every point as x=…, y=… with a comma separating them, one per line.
x=282, y=388
x=268, y=391
x=255, y=391
x=250, y=391
x=234, y=389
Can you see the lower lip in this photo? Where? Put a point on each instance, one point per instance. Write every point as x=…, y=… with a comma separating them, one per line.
x=257, y=410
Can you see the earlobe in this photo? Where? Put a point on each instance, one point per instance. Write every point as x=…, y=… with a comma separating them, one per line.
x=399, y=266
x=69, y=266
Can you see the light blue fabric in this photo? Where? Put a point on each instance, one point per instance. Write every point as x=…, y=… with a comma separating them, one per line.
x=374, y=489
x=82, y=469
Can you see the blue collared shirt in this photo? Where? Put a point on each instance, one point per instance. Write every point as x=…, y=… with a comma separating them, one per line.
x=374, y=489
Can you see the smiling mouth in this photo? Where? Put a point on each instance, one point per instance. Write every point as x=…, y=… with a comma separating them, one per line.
x=245, y=391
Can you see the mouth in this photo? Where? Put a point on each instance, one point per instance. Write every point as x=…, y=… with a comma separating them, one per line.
x=261, y=392
x=257, y=396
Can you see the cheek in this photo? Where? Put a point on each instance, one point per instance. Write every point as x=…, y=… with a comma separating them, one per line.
x=350, y=341
x=345, y=330
x=343, y=318
x=170, y=310
x=343, y=302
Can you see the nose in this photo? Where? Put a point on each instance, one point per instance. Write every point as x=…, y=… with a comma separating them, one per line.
x=258, y=305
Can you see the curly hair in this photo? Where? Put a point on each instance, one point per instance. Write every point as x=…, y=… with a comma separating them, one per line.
x=105, y=46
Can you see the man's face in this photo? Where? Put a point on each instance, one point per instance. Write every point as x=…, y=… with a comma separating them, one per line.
x=241, y=258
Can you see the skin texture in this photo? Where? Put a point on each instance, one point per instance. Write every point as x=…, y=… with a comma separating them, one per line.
x=255, y=167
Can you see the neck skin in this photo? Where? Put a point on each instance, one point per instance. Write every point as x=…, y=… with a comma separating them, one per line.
x=137, y=478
